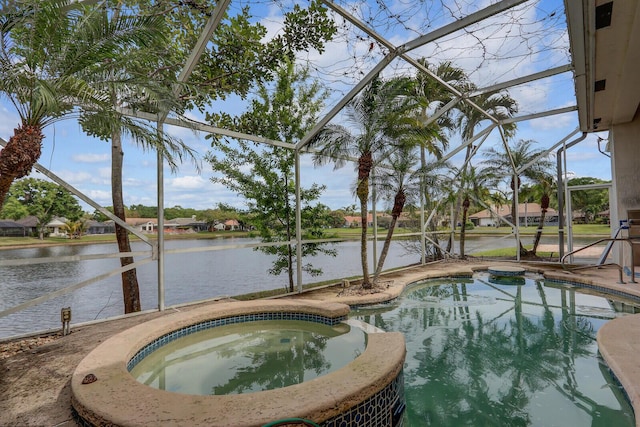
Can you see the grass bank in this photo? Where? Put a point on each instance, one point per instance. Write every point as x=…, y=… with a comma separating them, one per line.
x=343, y=233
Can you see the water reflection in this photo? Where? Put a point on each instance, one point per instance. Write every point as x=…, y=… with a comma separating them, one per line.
x=492, y=354
x=188, y=277
x=250, y=357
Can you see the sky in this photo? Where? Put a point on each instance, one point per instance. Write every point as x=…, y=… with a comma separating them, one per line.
x=491, y=54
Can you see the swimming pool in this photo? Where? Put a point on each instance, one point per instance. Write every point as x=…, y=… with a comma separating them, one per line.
x=486, y=352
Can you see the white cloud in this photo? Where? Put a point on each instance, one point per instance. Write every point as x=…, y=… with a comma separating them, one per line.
x=91, y=158
x=192, y=182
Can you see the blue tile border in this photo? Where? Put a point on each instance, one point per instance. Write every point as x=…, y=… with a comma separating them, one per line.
x=383, y=409
x=229, y=320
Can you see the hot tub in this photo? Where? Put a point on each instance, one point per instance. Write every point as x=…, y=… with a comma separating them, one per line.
x=366, y=391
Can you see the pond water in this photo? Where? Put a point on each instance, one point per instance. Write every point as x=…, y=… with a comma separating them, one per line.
x=188, y=276
x=482, y=352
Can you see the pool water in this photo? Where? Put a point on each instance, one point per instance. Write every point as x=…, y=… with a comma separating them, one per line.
x=250, y=357
x=487, y=352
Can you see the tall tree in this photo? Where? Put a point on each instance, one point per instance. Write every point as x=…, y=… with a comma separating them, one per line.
x=497, y=103
x=265, y=176
x=373, y=113
x=126, y=84
x=428, y=96
x=522, y=153
x=398, y=181
x=471, y=186
x=543, y=189
x=48, y=52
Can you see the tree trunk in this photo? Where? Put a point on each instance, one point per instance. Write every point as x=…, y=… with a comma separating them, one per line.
x=365, y=163
x=463, y=228
x=18, y=156
x=398, y=205
x=130, y=288
x=544, y=205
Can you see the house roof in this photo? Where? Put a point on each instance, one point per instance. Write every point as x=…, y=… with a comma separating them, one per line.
x=357, y=218
x=137, y=221
x=57, y=222
x=29, y=221
x=187, y=221
x=531, y=209
x=10, y=224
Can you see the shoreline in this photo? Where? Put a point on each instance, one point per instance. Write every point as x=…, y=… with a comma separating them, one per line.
x=79, y=242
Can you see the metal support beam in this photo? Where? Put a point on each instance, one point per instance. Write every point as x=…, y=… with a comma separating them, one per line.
x=478, y=16
x=477, y=136
x=55, y=178
x=191, y=62
x=548, y=151
x=561, y=181
x=203, y=127
x=539, y=115
x=298, y=222
x=521, y=80
x=348, y=97
x=160, y=202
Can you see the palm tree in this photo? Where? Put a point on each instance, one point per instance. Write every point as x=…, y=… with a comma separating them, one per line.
x=126, y=84
x=374, y=113
x=522, y=154
x=395, y=180
x=499, y=104
x=471, y=185
x=49, y=51
x=545, y=185
x=426, y=95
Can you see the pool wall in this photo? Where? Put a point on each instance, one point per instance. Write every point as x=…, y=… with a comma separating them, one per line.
x=368, y=391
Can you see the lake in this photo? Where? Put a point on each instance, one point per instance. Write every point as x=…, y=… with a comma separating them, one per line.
x=188, y=276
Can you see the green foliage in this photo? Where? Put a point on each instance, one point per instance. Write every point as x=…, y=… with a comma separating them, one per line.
x=264, y=176
x=13, y=209
x=589, y=202
x=42, y=199
x=239, y=54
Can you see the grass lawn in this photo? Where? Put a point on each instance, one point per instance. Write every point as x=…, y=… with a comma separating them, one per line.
x=344, y=233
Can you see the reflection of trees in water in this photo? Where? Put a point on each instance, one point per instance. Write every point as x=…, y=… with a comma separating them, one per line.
x=477, y=368
x=276, y=364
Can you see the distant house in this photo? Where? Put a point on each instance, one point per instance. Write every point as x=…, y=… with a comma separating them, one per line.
x=354, y=221
x=528, y=214
x=10, y=228
x=176, y=225
x=231, y=225
x=190, y=224
x=97, y=227
x=56, y=227
x=146, y=225
x=30, y=225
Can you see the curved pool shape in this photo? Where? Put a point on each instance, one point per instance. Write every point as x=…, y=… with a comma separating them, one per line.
x=368, y=390
x=493, y=353
x=250, y=357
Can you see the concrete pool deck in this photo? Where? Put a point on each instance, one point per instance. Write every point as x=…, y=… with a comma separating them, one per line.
x=35, y=382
